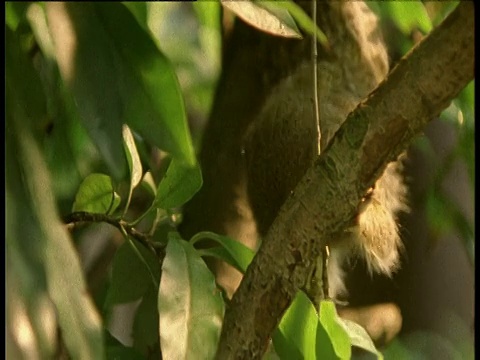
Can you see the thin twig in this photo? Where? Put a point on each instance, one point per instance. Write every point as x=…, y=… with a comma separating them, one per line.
x=325, y=251
x=83, y=216
x=315, y=78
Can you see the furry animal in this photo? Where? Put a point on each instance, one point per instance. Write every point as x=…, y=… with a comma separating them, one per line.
x=281, y=143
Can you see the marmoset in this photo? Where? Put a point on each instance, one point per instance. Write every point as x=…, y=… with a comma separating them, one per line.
x=281, y=143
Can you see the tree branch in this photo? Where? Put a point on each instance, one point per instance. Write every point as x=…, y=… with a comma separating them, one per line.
x=82, y=216
x=417, y=90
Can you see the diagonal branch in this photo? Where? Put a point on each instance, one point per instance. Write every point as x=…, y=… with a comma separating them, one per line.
x=416, y=91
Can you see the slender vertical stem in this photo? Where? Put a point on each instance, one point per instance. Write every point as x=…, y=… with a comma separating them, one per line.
x=315, y=79
x=325, y=251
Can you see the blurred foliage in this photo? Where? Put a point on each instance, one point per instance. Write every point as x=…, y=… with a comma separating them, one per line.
x=75, y=76
x=445, y=214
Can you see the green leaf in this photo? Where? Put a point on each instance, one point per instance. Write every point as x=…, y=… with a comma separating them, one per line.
x=120, y=352
x=234, y=252
x=95, y=195
x=29, y=190
x=221, y=253
x=26, y=283
x=190, y=305
x=323, y=344
x=339, y=338
x=179, y=184
x=409, y=15
x=145, y=325
x=466, y=101
x=439, y=214
x=69, y=152
x=302, y=19
x=131, y=278
x=23, y=84
x=273, y=20
x=154, y=103
x=208, y=14
x=285, y=348
x=27, y=304
x=139, y=10
x=78, y=34
x=296, y=333
x=118, y=76
x=116, y=202
x=15, y=13
x=359, y=336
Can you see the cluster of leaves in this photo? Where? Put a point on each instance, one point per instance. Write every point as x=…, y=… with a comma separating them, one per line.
x=61, y=100
x=186, y=292
x=179, y=301
x=89, y=93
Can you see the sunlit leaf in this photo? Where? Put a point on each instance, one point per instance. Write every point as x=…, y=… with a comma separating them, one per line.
x=25, y=279
x=134, y=163
x=234, y=252
x=28, y=308
x=95, y=195
x=298, y=328
x=466, y=101
x=37, y=19
x=60, y=266
x=77, y=316
x=302, y=19
x=180, y=183
x=336, y=333
x=275, y=21
x=359, y=337
x=148, y=183
x=190, y=305
x=133, y=160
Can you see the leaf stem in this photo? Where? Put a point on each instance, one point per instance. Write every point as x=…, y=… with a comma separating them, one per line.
x=315, y=78
x=203, y=235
